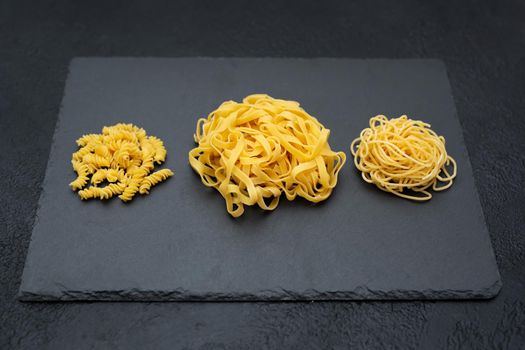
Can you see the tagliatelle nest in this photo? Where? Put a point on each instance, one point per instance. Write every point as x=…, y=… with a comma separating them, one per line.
x=254, y=151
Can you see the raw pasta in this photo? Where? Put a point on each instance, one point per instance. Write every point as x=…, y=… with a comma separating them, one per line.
x=254, y=151
x=402, y=155
x=123, y=156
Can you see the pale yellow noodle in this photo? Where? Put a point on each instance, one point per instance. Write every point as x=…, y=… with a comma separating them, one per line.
x=153, y=179
x=254, y=151
x=400, y=155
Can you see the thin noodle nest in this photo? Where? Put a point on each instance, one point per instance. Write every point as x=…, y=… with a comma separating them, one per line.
x=254, y=151
x=402, y=155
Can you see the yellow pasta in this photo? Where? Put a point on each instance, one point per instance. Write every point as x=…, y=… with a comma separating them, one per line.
x=404, y=157
x=153, y=179
x=254, y=151
x=123, y=156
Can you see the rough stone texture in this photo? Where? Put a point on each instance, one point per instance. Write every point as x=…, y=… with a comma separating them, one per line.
x=483, y=45
x=179, y=243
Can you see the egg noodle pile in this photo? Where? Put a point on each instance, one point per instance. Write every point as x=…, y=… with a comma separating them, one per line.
x=402, y=155
x=123, y=156
x=254, y=151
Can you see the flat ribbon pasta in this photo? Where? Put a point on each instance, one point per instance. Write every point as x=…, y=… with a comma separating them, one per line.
x=400, y=155
x=123, y=156
x=254, y=151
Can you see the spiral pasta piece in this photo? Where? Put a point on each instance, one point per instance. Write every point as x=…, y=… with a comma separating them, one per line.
x=404, y=157
x=153, y=179
x=122, y=156
x=253, y=152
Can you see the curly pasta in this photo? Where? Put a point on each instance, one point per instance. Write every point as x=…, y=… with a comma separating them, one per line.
x=123, y=156
x=153, y=179
x=254, y=151
x=400, y=155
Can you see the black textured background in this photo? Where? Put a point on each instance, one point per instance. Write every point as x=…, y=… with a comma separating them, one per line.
x=483, y=45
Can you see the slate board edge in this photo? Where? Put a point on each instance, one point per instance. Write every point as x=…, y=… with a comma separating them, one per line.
x=361, y=293
x=496, y=287
x=25, y=271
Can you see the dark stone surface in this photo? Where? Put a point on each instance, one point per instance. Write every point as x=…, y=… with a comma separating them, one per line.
x=483, y=46
x=179, y=243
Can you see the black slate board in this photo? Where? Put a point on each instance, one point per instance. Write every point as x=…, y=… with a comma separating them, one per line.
x=179, y=243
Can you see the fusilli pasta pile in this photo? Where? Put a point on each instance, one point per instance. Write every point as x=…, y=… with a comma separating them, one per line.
x=123, y=156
